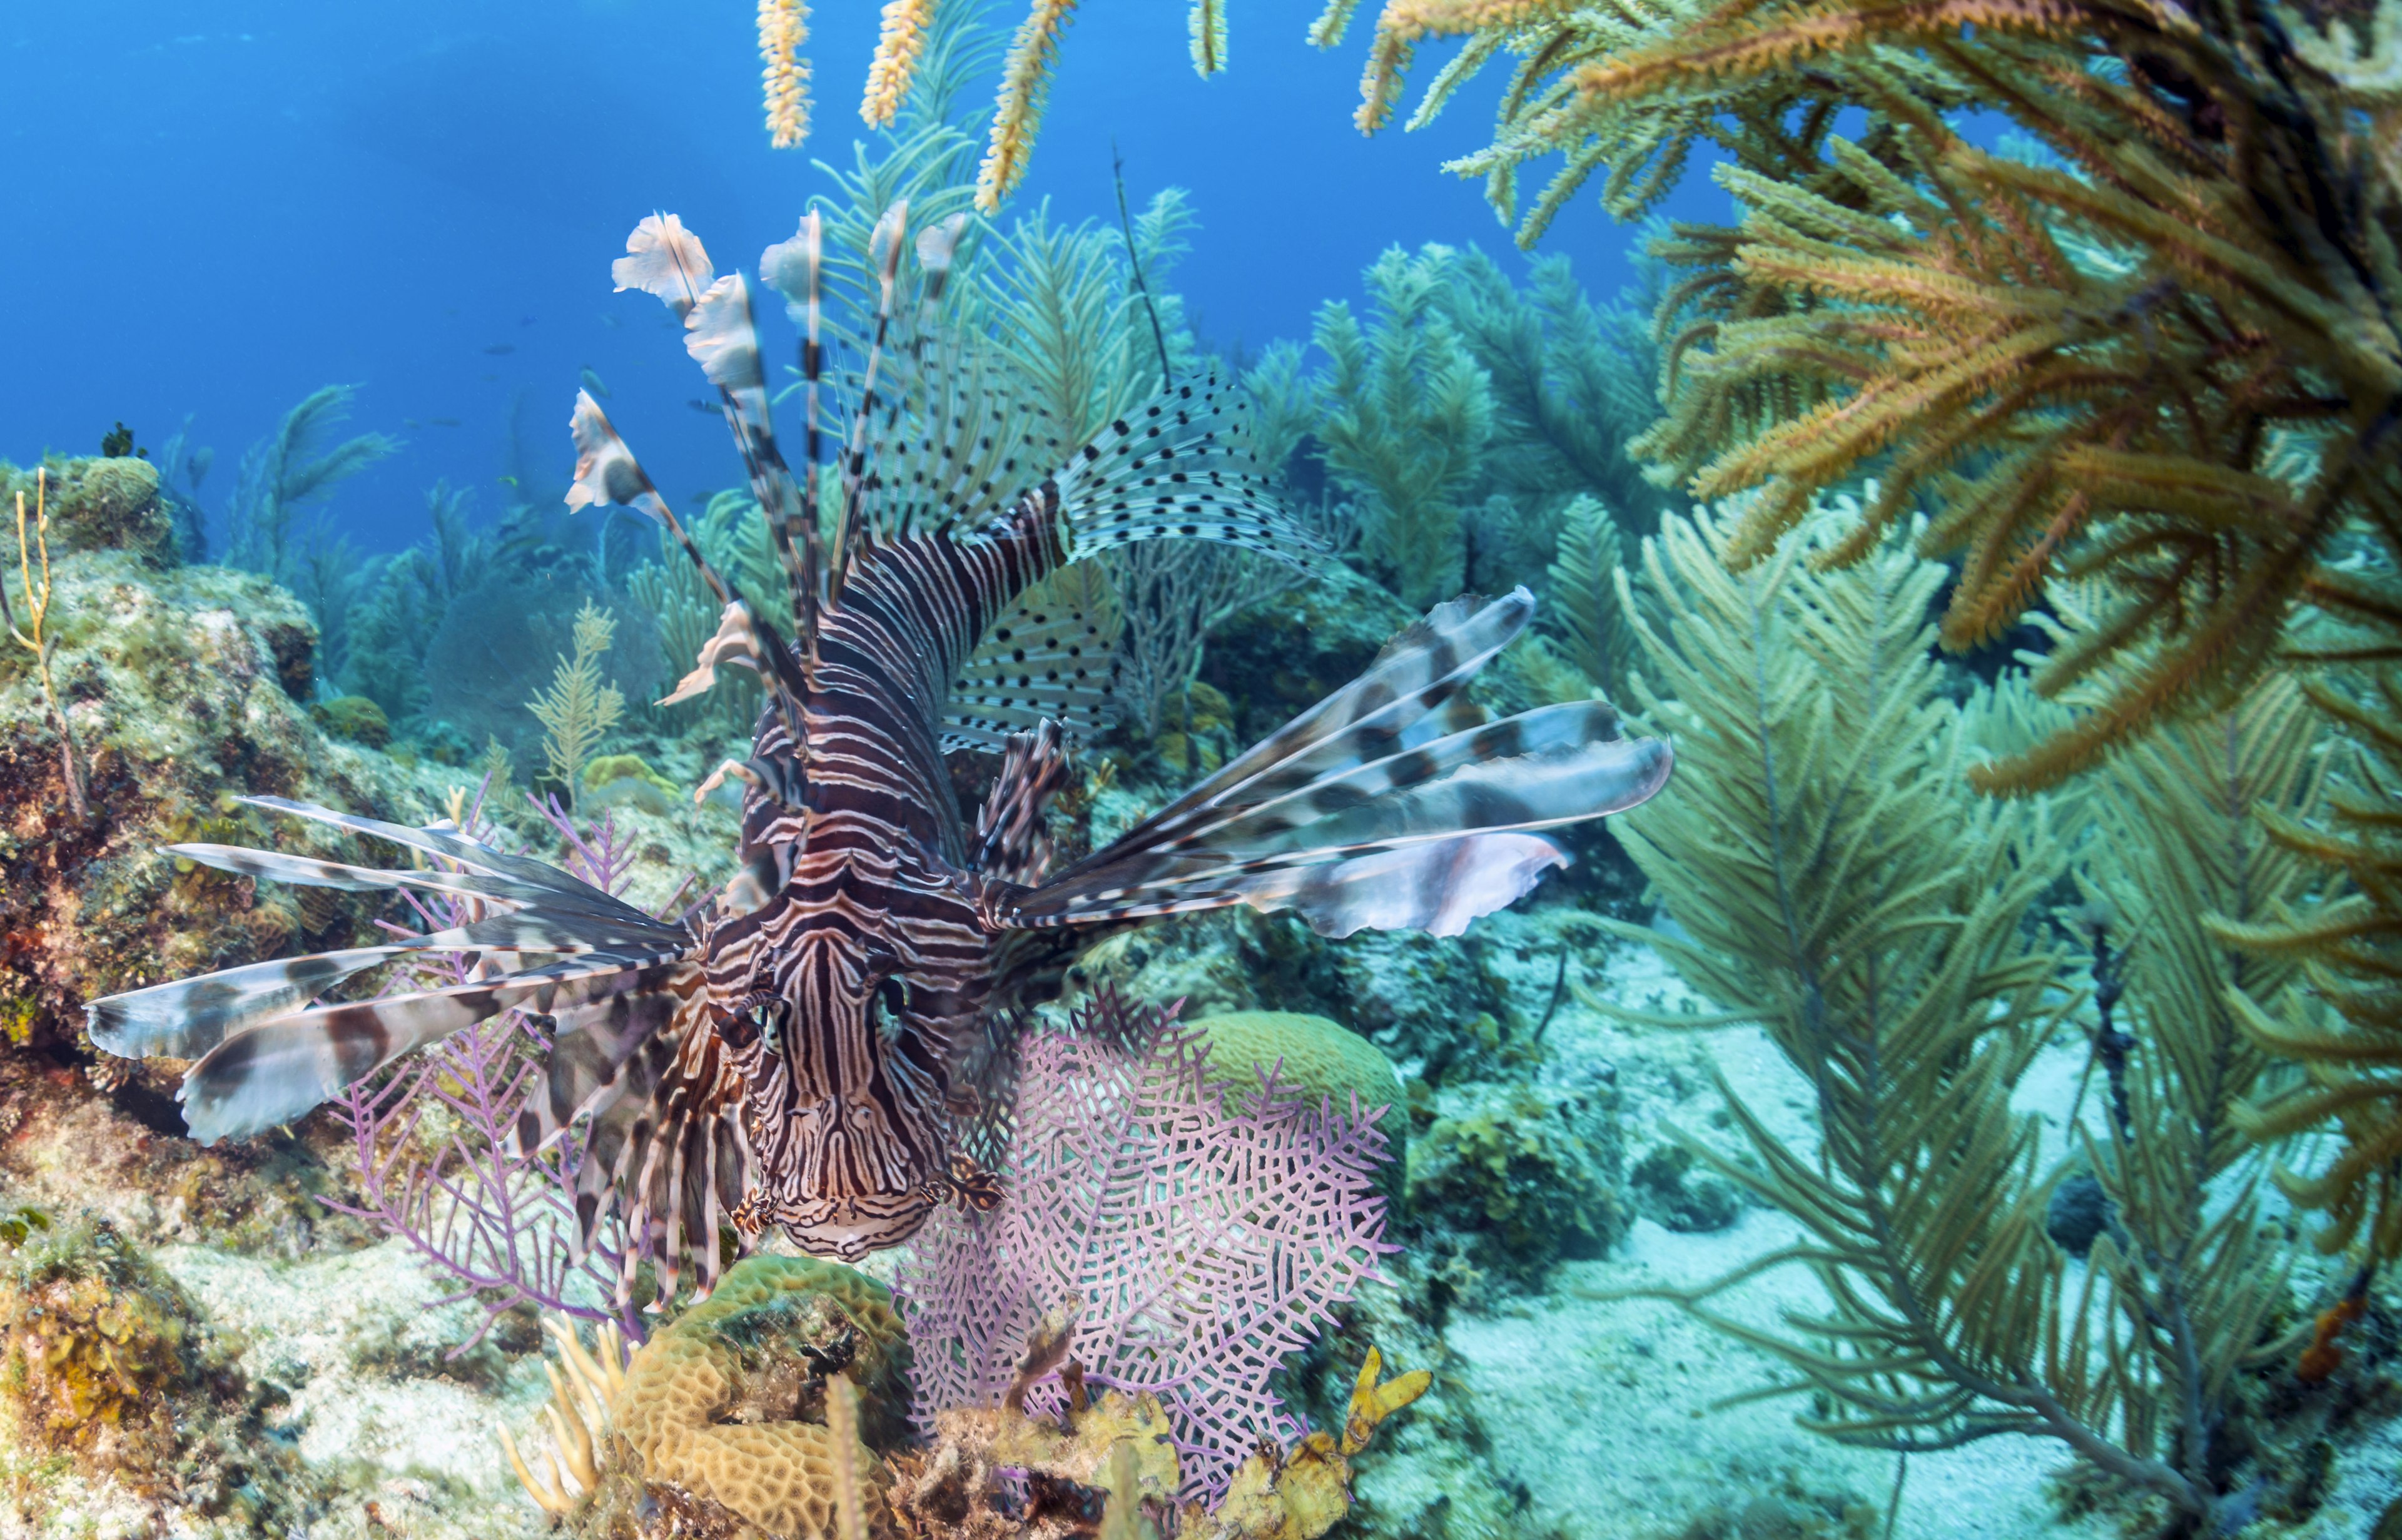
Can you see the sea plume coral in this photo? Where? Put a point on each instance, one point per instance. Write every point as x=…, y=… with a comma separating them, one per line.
x=1193, y=1231
x=783, y=27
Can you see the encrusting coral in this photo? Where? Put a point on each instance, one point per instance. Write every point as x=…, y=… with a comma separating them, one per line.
x=1317, y=1058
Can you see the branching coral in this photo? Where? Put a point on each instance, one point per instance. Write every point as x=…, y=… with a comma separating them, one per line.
x=1405, y=412
x=578, y=711
x=2090, y=365
x=1844, y=888
x=290, y=468
x=1571, y=383
x=2352, y=948
x=34, y=636
x=1585, y=609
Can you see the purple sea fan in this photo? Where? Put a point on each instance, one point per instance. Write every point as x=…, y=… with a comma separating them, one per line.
x=1208, y=1230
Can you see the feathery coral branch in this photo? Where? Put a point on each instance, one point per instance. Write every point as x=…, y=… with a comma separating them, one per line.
x=1209, y=27
x=1025, y=83
x=898, y=48
x=783, y=27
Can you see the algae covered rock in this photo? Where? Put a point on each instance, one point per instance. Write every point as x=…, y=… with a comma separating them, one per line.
x=1528, y=1176
x=355, y=717
x=99, y=504
x=94, y=1339
x=184, y=687
x=625, y=780
x=106, y=1366
x=722, y=1414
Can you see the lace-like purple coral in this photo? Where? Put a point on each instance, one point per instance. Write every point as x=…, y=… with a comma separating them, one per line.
x=1207, y=1228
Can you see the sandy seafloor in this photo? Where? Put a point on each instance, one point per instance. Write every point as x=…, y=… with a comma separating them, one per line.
x=1603, y=1412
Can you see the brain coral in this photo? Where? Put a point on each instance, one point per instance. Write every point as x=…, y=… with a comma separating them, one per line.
x=1322, y=1059
x=728, y=1403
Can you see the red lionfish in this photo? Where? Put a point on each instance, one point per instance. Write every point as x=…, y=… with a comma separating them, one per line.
x=805, y=1047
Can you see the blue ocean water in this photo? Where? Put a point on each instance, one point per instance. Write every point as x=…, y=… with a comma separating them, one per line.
x=220, y=207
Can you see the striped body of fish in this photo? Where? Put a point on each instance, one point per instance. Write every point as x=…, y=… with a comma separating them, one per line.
x=805, y=1047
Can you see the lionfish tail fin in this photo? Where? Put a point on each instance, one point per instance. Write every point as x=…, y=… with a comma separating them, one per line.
x=1391, y=804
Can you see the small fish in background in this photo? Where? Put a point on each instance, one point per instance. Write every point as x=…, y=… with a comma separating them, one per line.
x=706, y=408
x=490, y=378
x=443, y=421
x=611, y=321
x=410, y=422
x=592, y=382
x=499, y=347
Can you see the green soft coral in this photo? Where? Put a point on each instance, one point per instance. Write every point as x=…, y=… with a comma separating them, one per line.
x=1405, y=413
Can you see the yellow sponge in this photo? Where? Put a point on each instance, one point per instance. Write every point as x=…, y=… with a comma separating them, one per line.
x=1322, y=1059
x=728, y=1402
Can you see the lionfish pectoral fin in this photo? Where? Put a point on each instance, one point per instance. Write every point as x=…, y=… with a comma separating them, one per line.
x=1390, y=804
x=279, y=1070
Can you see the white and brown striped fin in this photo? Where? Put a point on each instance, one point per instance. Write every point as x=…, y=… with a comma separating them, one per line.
x=1012, y=838
x=885, y=246
x=1365, y=807
x=1438, y=888
x=557, y=888
x=796, y=270
x=308, y=871
x=666, y=1149
x=1521, y=794
x=1411, y=694
x=607, y=472
x=667, y=261
x=188, y=1017
x=723, y=338
x=276, y=1070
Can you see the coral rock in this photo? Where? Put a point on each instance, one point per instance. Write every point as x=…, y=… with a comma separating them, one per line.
x=717, y=1407
x=1320, y=1059
x=98, y=505
x=355, y=717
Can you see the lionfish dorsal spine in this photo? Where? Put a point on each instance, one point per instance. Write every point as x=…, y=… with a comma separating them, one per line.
x=886, y=246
